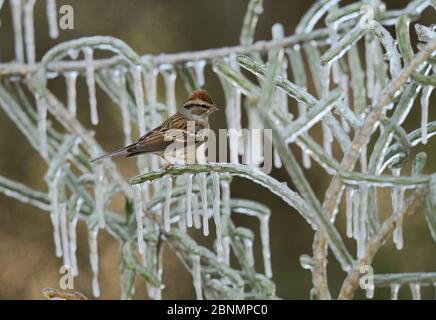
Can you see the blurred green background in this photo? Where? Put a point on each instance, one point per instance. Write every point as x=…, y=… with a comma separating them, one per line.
x=27, y=258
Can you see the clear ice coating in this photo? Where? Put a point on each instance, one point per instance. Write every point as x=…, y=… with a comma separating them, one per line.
x=93, y=258
x=54, y=212
x=203, y=195
x=41, y=106
x=99, y=191
x=52, y=19
x=425, y=98
x=29, y=32
x=137, y=194
x=264, y=238
x=168, y=181
x=70, y=81
x=196, y=276
x=170, y=77
x=64, y=233
x=395, y=288
x=136, y=72
x=88, y=53
x=216, y=213
x=188, y=198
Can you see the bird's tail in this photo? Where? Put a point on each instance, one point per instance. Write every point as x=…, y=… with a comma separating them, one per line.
x=118, y=153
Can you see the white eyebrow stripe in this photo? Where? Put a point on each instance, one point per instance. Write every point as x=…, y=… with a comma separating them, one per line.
x=197, y=102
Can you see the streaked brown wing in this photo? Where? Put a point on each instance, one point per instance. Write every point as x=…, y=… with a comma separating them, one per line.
x=173, y=129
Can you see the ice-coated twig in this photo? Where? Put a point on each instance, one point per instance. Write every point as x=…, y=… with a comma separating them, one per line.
x=257, y=176
x=265, y=238
x=254, y=10
x=307, y=120
x=352, y=281
x=52, y=19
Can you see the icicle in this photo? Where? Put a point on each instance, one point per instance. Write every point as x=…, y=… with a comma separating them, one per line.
x=356, y=206
x=52, y=19
x=203, y=194
x=264, y=238
x=254, y=143
x=277, y=160
x=29, y=32
x=88, y=53
x=349, y=211
x=170, y=77
x=216, y=214
x=41, y=106
x=415, y=288
x=73, y=237
x=248, y=246
x=120, y=78
x=226, y=250
x=182, y=216
x=64, y=234
x=361, y=240
x=139, y=217
x=196, y=276
x=93, y=258
x=369, y=292
x=139, y=98
x=397, y=205
x=196, y=212
x=395, y=288
x=18, y=30
x=233, y=113
x=327, y=138
x=99, y=191
x=425, y=97
x=70, y=80
x=199, y=72
x=168, y=180
x=188, y=198
x=54, y=213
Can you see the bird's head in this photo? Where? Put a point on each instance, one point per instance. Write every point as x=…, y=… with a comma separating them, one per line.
x=199, y=104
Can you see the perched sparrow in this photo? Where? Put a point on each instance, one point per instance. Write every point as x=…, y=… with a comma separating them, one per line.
x=192, y=117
